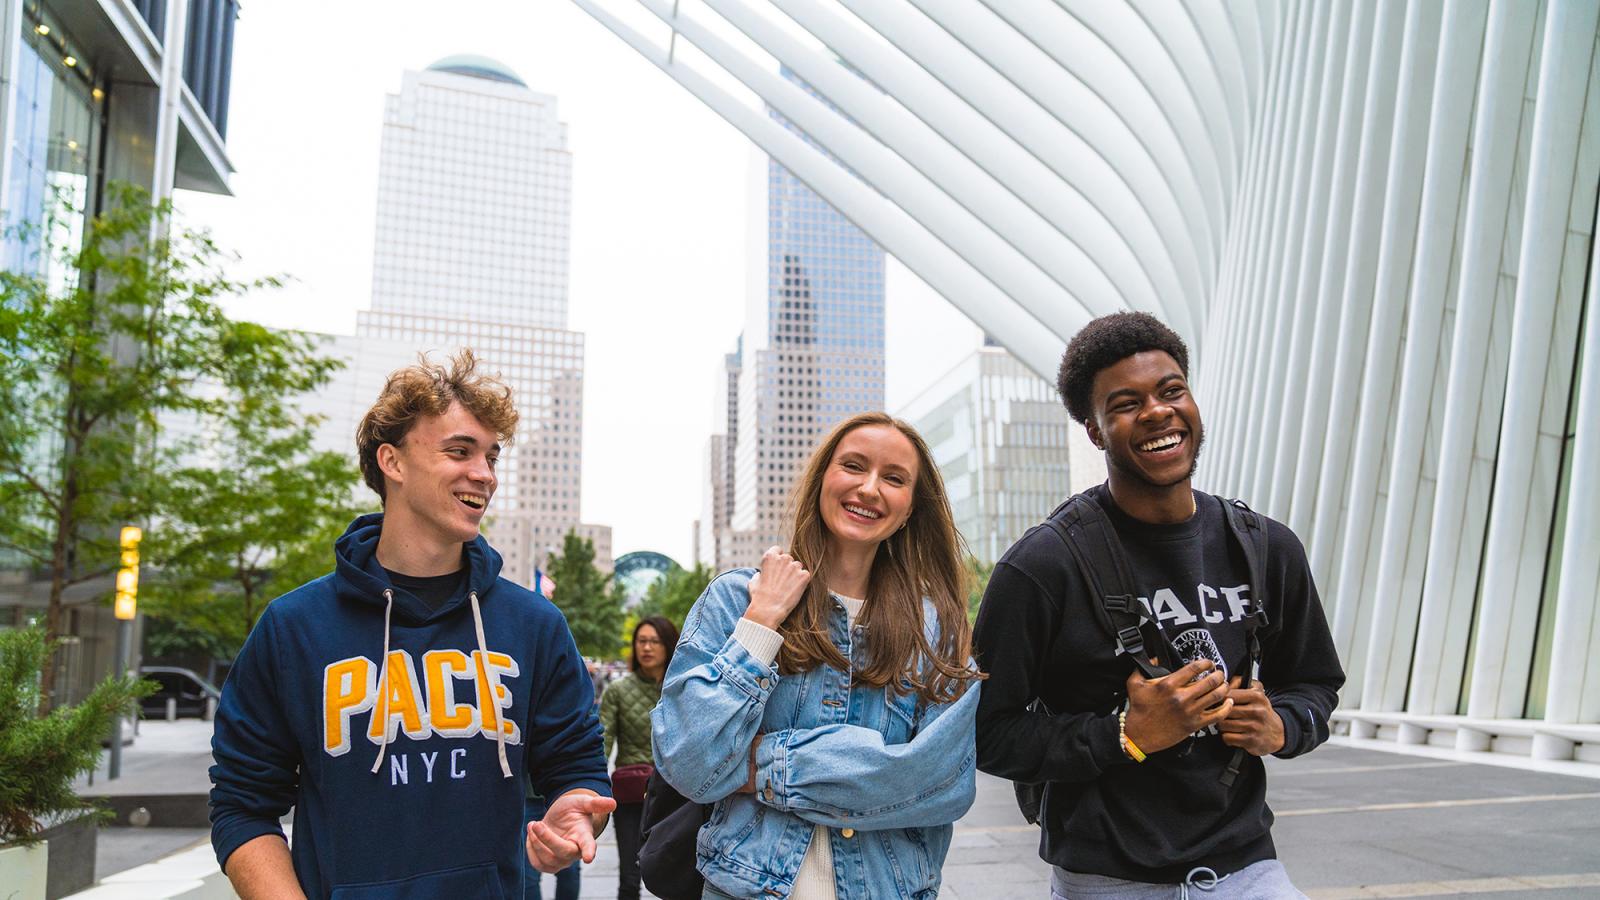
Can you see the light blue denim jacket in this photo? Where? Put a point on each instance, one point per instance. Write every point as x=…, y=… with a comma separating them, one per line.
x=892, y=769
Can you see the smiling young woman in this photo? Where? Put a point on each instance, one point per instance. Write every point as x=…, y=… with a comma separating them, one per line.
x=911, y=553
x=825, y=705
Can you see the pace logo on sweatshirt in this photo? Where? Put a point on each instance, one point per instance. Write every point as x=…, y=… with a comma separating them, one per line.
x=422, y=702
x=1212, y=606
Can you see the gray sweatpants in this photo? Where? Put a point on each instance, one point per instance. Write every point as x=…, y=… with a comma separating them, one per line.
x=1265, y=880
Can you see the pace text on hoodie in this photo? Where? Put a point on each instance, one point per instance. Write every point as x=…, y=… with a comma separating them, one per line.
x=301, y=724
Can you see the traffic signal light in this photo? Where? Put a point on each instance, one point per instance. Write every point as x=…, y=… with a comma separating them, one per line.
x=128, y=576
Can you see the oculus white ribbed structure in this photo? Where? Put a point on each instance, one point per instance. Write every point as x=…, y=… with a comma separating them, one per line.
x=1373, y=222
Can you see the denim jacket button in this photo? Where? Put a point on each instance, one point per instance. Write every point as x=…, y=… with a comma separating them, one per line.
x=848, y=833
x=764, y=683
x=768, y=793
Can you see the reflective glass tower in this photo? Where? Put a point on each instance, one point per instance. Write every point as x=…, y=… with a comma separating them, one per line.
x=813, y=349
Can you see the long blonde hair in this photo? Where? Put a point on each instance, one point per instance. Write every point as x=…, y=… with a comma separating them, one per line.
x=924, y=558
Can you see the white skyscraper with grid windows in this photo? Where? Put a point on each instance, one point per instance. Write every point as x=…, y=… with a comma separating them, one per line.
x=471, y=250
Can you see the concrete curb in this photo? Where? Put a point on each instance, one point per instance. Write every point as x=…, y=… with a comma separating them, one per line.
x=189, y=874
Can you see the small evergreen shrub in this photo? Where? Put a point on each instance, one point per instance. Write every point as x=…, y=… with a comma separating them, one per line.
x=40, y=756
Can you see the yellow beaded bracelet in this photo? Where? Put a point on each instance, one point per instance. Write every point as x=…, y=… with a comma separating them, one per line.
x=1128, y=746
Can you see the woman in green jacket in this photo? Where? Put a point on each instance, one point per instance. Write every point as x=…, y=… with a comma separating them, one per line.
x=625, y=714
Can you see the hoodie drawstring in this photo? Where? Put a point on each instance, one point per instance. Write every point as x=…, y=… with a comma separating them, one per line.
x=383, y=681
x=481, y=671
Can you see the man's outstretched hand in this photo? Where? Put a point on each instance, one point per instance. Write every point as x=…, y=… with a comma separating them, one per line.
x=568, y=830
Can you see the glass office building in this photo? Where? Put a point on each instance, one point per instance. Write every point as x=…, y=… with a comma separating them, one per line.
x=810, y=355
x=92, y=93
x=999, y=434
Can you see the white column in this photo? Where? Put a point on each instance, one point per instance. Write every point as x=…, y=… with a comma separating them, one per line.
x=1193, y=110
x=1338, y=384
x=169, y=99
x=1360, y=491
x=1002, y=263
x=1273, y=349
x=1090, y=58
x=1466, y=446
x=1309, y=32
x=1530, y=432
x=1309, y=441
x=1287, y=394
x=1022, y=93
x=1410, y=505
x=1574, y=666
x=1233, y=412
x=1225, y=50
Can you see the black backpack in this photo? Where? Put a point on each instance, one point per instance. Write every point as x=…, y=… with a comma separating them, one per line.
x=1103, y=563
x=669, y=826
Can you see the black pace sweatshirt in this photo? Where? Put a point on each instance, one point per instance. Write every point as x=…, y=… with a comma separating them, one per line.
x=1038, y=637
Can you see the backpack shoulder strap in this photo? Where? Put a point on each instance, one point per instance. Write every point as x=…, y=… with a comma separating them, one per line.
x=1101, y=559
x=1249, y=530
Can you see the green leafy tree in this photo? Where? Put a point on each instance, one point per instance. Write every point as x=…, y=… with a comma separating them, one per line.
x=87, y=365
x=591, y=601
x=673, y=594
x=978, y=573
x=237, y=533
x=41, y=755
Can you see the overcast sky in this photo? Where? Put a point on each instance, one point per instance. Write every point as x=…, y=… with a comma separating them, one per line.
x=658, y=242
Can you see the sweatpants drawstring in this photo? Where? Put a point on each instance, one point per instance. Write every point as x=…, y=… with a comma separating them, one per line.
x=1205, y=882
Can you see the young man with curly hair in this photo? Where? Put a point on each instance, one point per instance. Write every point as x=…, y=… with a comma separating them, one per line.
x=1153, y=782
x=400, y=703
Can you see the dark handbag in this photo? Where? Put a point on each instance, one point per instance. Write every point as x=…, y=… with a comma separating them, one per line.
x=628, y=782
x=670, y=826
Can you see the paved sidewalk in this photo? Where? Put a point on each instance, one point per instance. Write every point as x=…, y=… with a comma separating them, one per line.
x=165, y=758
x=1357, y=823
x=1352, y=823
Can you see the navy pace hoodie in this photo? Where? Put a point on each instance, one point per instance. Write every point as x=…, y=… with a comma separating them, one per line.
x=428, y=807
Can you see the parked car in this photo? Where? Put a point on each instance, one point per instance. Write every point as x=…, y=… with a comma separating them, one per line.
x=184, y=685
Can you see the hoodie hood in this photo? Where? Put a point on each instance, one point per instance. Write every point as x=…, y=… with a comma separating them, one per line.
x=358, y=578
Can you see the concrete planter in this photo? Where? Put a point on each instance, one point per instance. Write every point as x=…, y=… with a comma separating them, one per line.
x=72, y=843
x=24, y=870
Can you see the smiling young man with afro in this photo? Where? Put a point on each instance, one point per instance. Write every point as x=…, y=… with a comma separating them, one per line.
x=1153, y=781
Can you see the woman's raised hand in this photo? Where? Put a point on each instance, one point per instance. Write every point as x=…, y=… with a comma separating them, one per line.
x=777, y=588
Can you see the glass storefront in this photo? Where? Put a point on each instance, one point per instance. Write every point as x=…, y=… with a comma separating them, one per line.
x=54, y=151
x=54, y=170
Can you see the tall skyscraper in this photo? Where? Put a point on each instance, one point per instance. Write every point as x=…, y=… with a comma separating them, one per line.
x=811, y=354
x=713, y=530
x=474, y=198
x=471, y=250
